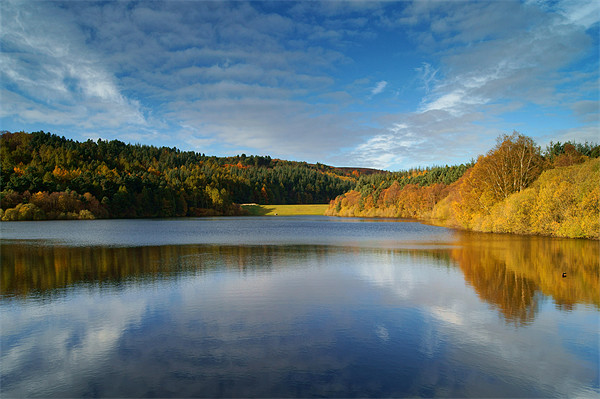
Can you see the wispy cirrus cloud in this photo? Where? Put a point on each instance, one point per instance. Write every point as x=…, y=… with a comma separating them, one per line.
x=492, y=71
x=427, y=74
x=379, y=87
x=50, y=76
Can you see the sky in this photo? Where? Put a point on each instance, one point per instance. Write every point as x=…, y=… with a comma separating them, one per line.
x=389, y=85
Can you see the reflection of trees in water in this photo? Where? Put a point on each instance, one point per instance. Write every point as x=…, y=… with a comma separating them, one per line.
x=38, y=269
x=505, y=270
x=509, y=271
x=512, y=293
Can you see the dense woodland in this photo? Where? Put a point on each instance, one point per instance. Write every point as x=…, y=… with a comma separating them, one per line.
x=516, y=187
x=45, y=176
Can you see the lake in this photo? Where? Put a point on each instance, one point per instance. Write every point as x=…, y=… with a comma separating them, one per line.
x=294, y=307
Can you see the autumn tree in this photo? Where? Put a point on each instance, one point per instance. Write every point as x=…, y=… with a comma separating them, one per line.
x=511, y=166
x=570, y=156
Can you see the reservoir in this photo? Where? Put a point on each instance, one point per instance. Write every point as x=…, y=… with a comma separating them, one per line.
x=294, y=307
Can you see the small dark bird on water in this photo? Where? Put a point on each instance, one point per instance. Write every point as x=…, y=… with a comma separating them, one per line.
x=564, y=275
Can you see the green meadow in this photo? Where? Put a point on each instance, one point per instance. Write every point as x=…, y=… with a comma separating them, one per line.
x=285, y=210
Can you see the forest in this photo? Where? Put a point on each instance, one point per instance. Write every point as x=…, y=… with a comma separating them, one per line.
x=515, y=188
x=44, y=176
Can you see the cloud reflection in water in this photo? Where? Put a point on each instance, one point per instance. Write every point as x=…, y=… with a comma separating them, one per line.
x=214, y=320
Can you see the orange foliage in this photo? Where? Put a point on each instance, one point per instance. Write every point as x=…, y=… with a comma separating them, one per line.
x=238, y=165
x=412, y=201
x=153, y=171
x=19, y=169
x=561, y=202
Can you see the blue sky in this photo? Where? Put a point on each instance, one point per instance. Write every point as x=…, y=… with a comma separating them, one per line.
x=390, y=85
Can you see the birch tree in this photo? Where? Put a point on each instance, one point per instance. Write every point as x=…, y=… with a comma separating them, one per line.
x=511, y=166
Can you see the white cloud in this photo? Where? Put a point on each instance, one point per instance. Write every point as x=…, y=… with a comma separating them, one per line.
x=581, y=12
x=587, y=110
x=96, y=332
x=281, y=79
x=388, y=149
x=577, y=134
x=289, y=128
x=379, y=87
x=427, y=75
x=51, y=77
x=497, y=64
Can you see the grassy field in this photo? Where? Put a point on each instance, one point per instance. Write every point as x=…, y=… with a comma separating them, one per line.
x=285, y=210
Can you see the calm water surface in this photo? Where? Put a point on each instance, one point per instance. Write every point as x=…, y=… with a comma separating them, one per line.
x=294, y=306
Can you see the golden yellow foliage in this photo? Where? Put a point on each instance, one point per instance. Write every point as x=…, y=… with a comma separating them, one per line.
x=563, y=202
x=507, y=270
x=65, y=174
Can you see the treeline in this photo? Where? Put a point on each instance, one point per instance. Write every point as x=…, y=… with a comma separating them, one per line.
x=44, y=176
x=516, y=187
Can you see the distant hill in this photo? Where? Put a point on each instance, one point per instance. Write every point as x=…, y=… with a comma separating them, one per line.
x=348, y=171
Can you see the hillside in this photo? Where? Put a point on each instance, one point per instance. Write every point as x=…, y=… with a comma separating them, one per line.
x=44, y=176
x=514, y=188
